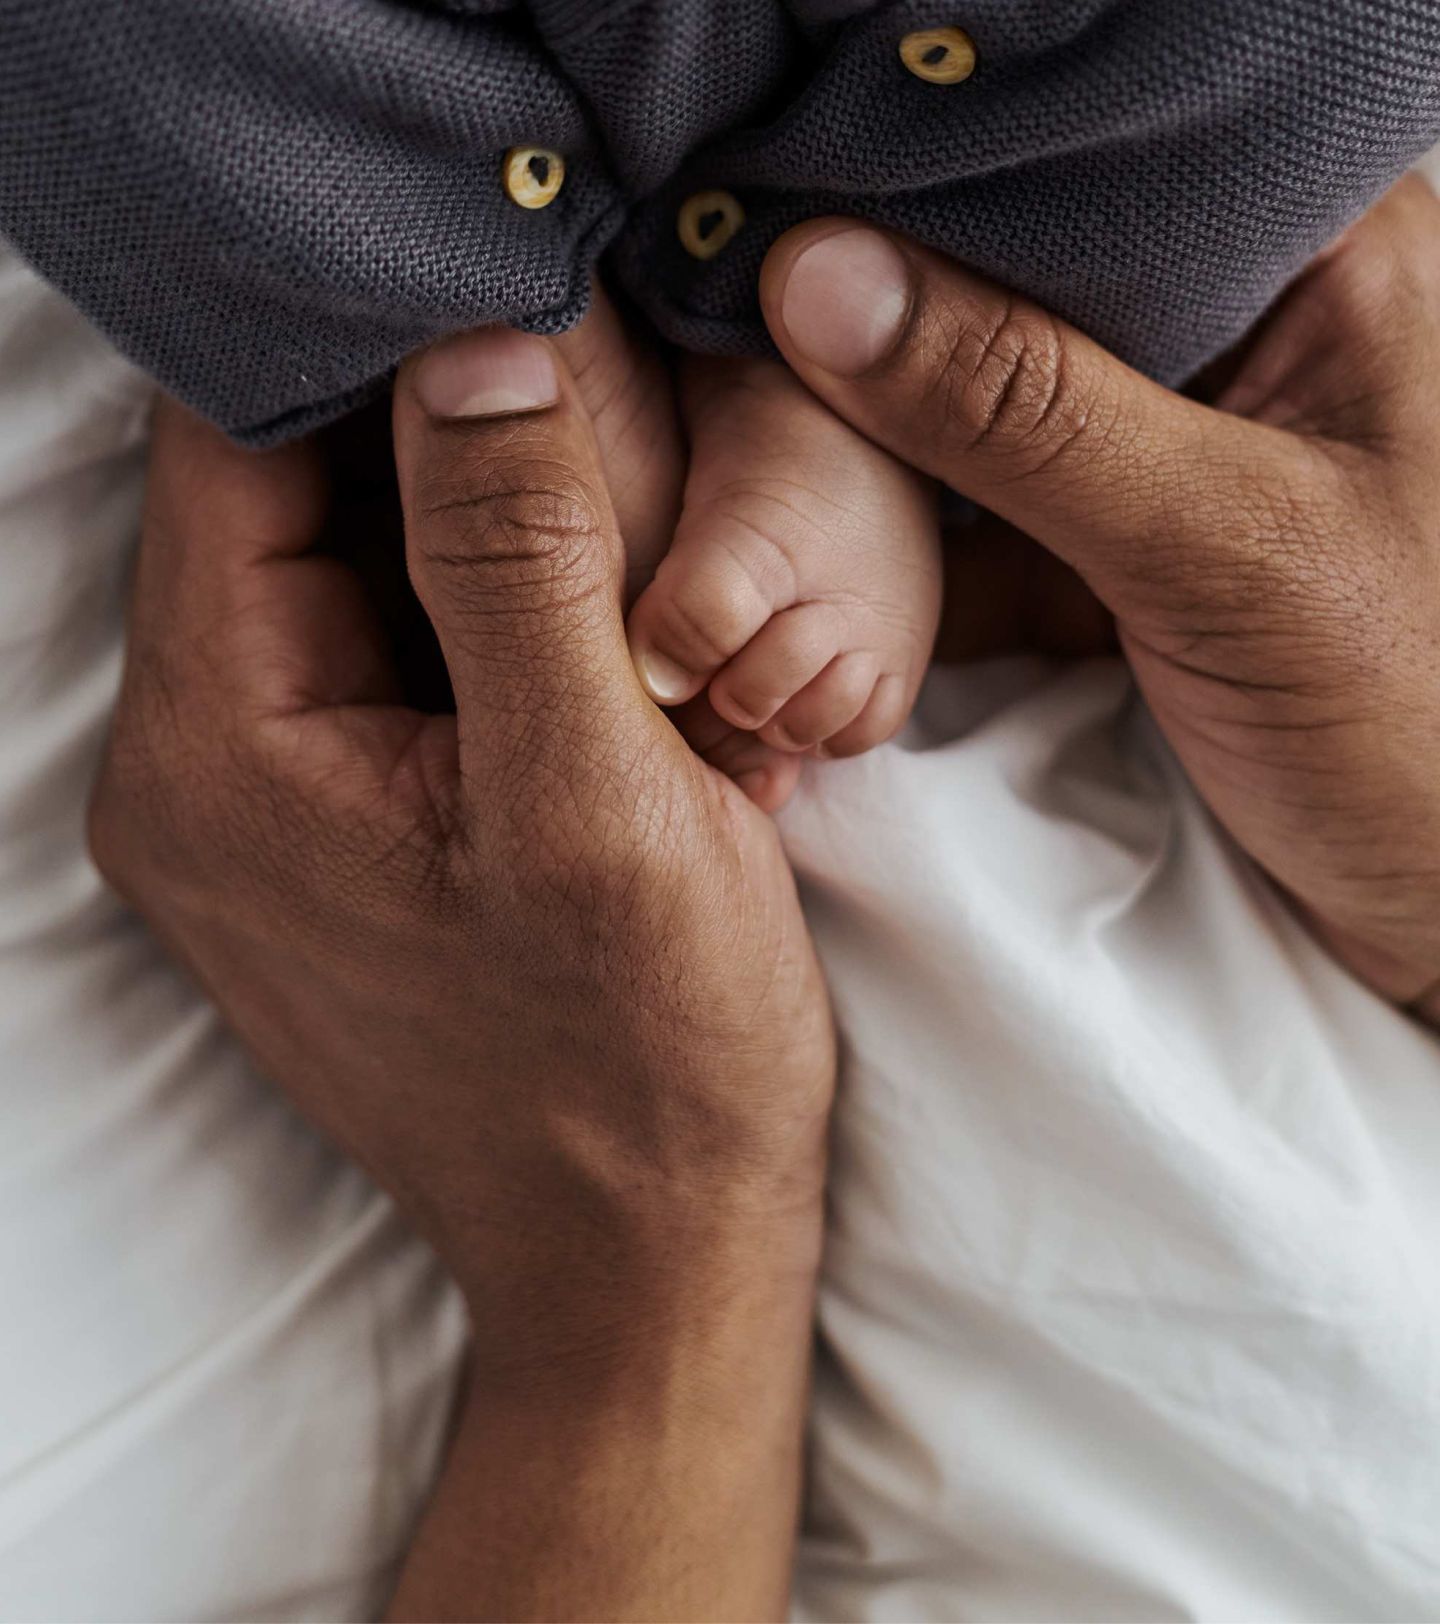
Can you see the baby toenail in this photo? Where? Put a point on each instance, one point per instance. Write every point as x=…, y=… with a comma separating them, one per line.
x=736, y=714
x=666, y=682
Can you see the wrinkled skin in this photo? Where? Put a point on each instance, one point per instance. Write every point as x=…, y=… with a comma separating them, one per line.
x=1270, y=564
x=541, y=967
x=534, y=964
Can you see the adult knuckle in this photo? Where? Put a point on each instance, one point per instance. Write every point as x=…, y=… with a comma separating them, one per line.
x=1007, y=386
x=511, y=518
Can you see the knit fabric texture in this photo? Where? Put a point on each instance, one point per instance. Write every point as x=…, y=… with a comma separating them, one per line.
x=267, y=203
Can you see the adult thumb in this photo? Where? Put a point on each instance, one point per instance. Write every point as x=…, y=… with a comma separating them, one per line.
x=1014, y=408
x=513, y=548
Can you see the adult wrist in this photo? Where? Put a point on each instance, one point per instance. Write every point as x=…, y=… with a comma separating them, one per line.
x=631, y=1441
x=725, y=1175
x=601, y=1307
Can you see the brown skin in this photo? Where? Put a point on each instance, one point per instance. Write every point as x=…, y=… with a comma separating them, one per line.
x=535, y=965
x=630, y=396
x=544, y=972
x=1272, y=563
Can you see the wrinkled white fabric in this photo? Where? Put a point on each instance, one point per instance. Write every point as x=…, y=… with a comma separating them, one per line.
x=1130, y=1308
x=225, y=1368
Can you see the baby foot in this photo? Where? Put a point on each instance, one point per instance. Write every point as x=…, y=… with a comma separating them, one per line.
x=802, y=589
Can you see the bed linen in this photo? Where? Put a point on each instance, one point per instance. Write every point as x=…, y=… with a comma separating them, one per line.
x=225, y=1367
x=1130, y=1306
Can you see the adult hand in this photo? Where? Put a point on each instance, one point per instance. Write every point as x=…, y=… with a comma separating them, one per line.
x=1271, y=562
x=534, y=964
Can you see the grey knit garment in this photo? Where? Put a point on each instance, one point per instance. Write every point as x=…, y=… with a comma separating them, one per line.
x=268, y=202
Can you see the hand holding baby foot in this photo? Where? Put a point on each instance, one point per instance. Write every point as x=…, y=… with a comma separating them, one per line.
x=469, y=946
x=802, y=588
x=1271, y=566
x=624, y=385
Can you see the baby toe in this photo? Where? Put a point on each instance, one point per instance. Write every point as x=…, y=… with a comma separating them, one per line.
x=881, y=718
x=789, y=651
x=825, y=705
x=697, y=612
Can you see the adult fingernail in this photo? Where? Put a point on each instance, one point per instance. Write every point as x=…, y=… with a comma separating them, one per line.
x=489, y=373
x=846, y=300
x=666, y=682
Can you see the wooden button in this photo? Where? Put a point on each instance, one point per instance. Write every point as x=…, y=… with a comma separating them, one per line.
x=533, y=176
x=942, y=56
x=707, y=221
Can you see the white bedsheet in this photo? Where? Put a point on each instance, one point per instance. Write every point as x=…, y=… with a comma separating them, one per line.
x=1131, y=1304
x=225, y=1368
